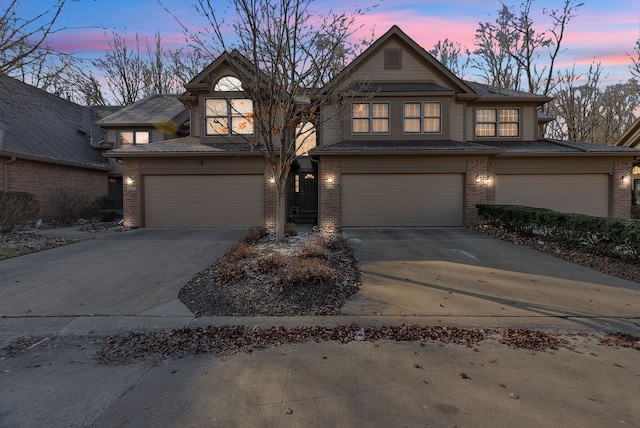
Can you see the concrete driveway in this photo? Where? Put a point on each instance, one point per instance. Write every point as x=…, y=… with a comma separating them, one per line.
x=456, y=276
x=139, y=272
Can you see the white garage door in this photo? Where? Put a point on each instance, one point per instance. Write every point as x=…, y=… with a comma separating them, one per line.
x=571, y=193
x=203, y=200
x=402, y=199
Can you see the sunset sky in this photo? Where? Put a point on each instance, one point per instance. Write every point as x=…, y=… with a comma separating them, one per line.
x=603, y=31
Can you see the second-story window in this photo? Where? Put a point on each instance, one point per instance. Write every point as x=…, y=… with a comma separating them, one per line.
x=370, y=118
x=497, y=122
x=423, y=118
x=133, y=138
x=231, y=116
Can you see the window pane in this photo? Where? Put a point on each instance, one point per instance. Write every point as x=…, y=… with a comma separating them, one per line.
x=381, y=110
x=360, y=125
x=228, y=84
x=508, y=129
x=431, y=125
x=361, y=110
x=508, y=115
x=412, y=125
x=241, y=107
x=142, y=137
x=217, y=126
x=380, y=125
x=485, y=130
x=126, y=138
x=412, y=110
x=432, y=109
x=241, y=125
x=216, y=107
x=486, y=115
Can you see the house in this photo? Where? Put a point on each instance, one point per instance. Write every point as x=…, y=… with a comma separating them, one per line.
x=157, y=117
x=47, y=148
x=631, y=138
x=407, y=144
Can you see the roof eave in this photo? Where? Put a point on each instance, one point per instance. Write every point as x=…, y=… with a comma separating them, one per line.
x=104, y=167
x=115, y=154
x=444, y=152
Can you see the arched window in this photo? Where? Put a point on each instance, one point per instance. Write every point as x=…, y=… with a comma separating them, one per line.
x=228, y=84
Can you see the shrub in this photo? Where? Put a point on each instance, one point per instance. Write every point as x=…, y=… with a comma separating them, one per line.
x=271, y=262
x=306, y=272
x=612, y=237
x=71, y=205
x=290, y=229
x=313, y=248
x=229, y=266
x=105, y=203
x=255, y=234
x=106, y=215
x=16, y=208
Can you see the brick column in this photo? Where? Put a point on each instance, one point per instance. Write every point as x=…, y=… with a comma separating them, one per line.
x=132, y=194
x=330, y=197
x=479, y=188
x=621, y=192
x=270, y=197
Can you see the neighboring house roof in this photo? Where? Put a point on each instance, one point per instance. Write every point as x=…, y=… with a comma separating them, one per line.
x=183, y=146
x=40, y=126
x=631, y=137
x=488, y=92
x=153, y=109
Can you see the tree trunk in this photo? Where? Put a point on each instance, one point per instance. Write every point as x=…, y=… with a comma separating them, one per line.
x=281, y=215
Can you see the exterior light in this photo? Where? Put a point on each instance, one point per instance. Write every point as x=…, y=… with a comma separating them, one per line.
x=330, y=179
x=130, y=181
x=272, y=180
x=626, y=179
x=478, y=178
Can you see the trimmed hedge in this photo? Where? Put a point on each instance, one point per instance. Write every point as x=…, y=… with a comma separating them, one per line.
x=611, y=237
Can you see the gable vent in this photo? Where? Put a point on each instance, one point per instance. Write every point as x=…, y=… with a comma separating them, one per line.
x=393, y=58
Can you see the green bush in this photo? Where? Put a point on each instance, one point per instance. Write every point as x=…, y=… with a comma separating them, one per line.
x=16, y=208
x=612, y=237
x=106, y=215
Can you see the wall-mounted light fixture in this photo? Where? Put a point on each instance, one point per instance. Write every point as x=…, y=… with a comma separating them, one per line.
x=486, y=180
x=478, y=178
x=130, y=181
x=272, y=180
x=625, y=179
x=330, y=179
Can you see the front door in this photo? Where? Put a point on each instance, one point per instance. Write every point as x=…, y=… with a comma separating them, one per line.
x=304, y=196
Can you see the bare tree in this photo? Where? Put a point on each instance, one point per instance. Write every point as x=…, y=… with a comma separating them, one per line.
x=22, y=38
x=451, y=55
x=123, y=69
x=287, y=53
x=512, y=53
x=585, y=112
x=635, y=58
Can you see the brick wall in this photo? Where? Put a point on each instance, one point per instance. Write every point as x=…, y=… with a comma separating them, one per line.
x=330, y=197
x=479, y=188
x=132, y=194
x=57, y=188
x=621, y=192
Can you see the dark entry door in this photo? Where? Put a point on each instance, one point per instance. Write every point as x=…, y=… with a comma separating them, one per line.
x=304, y=195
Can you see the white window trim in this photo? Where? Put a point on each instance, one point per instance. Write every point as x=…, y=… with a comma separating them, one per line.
x=497, y=122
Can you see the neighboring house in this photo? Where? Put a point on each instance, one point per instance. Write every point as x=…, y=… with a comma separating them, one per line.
x=631, y=138
x=155, y=118
x=47, y=149
x=415, y=146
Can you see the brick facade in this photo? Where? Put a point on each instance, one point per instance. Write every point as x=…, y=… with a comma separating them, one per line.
x=330, y=197
x=132, y=194
x=58, y=188
x=621, y=192
x=479, y=188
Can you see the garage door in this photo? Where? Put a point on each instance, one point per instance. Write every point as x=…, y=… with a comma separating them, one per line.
x=572, y=193
x=203, y=200
x=402, y=199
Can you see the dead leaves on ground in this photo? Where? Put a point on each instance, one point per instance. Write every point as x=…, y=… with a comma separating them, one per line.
x=224, y=341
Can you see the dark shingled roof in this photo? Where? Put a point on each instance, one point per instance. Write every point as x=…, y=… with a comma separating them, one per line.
x=489, y=91
x=39, y=125
x=180, y=145
x=397, y=87
x=401, y=145
x=158, y=108
x=555, y=146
